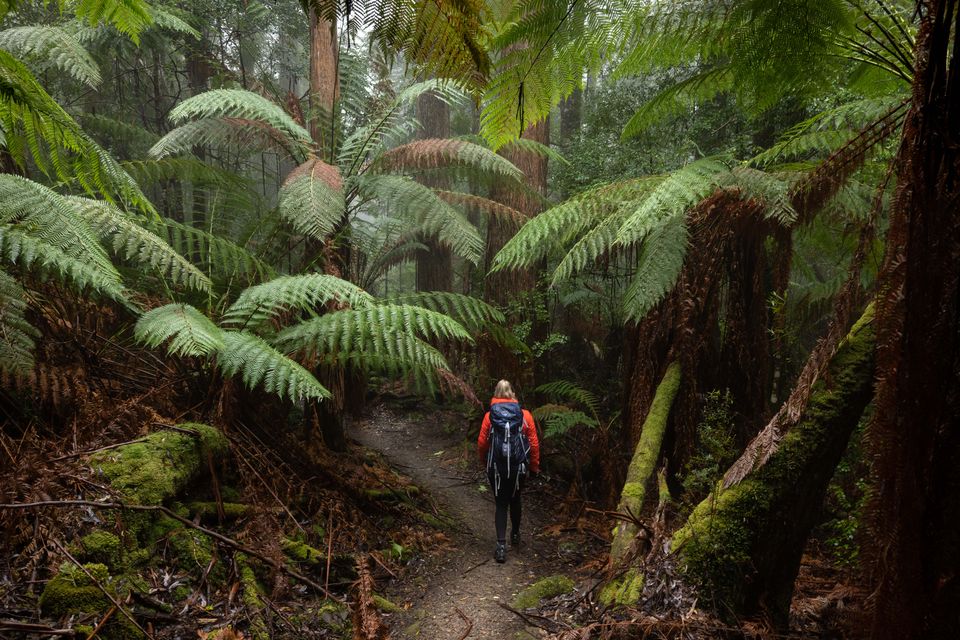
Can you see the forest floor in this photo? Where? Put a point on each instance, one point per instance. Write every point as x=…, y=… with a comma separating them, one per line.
x=461, y=587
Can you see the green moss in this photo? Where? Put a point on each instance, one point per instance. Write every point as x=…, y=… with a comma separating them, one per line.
x=719, y=541
x=71, y=591
x=302, y=552
x=336, y=618
x=252, y=598
x=208, y=510
x=102, y=547
x=161, y=465
x=625, y=590
x=403, y=494
x=385, y=605
x=644, y=460
x=546, y=588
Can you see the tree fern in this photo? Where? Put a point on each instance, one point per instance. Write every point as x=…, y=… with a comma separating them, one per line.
x=218, y=255
x=17, y=335
x=244, y=135
x=132, y=241
x=52, y=45
x=598, y=241
x=16, y=247
x=311, y=199
x=129, y=17
x=564, y=390
x=427, y=154
x=680, y=98
x=306, y=292
x=190, y=332
x=473, y=313
x=259, y=364
x=484, y=206
x=660, y=264
x=558, y=419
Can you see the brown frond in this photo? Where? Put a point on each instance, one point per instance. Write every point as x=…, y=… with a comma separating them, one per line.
x=366, y=621
x=485, y=206
x=317, y=169
x=419, y=155
x=53, y=385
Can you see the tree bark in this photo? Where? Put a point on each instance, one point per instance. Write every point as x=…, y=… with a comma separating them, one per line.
x=571, y=117
x=742, y=545
x=324, y=82
x=435, y=265
x=914, y=437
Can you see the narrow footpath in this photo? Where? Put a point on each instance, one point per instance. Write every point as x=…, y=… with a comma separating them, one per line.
x=463, y=587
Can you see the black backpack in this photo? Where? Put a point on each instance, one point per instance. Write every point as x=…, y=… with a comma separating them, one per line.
x=509, y=449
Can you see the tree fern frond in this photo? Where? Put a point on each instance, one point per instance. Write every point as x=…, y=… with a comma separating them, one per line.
x=434, y=153
x=660, y=264
x=248, y=136
x=111, y=131
x=679, y=191
x=771, y=190
x=217, y=254
x=421, y=206
x=260, y=364
x=189, y=331
x=307, y=292
x=166, y=18
x=596, y=242
x=473, y=313
x=567, y=391
x=17, y=335
x=679, y=98
x=131, y=241
x=55, y=220
x=33, y=253
x=52, y=45
x=129, y=17
x=558, y=419
x=311, y=199
x=484, y=206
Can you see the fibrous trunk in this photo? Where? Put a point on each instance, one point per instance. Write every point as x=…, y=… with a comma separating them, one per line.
x=435, y=264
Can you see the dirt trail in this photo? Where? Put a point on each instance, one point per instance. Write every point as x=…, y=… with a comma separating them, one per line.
x=465, y=577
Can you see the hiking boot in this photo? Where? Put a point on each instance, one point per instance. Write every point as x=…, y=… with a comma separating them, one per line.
x=514, y=538
x=500, y=554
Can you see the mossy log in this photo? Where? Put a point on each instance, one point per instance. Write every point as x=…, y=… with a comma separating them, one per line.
x=541, y=590
x=742, y=545
x=161, y=465
x=644, y=462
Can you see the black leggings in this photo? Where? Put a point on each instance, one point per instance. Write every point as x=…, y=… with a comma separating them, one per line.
x=504, y=502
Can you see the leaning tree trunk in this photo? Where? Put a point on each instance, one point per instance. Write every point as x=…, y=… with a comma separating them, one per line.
x=742, y=545
x=914, y=437
x=435, y=264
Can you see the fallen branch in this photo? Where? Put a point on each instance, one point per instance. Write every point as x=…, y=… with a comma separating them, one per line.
x=469, y=622
x=29, y=627
x=230, y=542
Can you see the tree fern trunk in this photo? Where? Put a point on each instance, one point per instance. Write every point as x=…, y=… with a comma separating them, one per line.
x=914, y=437
x=435, y=265
x=743, y=544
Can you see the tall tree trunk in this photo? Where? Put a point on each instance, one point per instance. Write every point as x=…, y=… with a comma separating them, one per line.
x=743, y=543
x=324, y=82
x=914, y=437
x=435, y=265
x=571, y=117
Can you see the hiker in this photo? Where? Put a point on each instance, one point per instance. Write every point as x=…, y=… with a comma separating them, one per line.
x=509, y=447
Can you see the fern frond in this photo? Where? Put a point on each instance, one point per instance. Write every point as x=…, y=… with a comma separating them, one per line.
x=473, y=313
x=660, y=264
x=114, y=132
x=17, y=335
x=484, y=206
x=52, y=45
x=33, y=253
x=53, y=219
x=167, y=19
x=129, y=17
x=433, y=153
x=307, y=292
x=558, y=419
x=311, y=199
x=769, y=189
x=570, y=392
x=247, y=136
x=598, y=241
x=131, y=241
x=215, y=113
x=420, y=206
x=679, y=191
x=189, y=331
x=260, y=364
x=217, y=254
x=679, y=98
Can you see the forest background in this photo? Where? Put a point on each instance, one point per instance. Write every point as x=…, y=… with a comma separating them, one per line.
x=715, y=244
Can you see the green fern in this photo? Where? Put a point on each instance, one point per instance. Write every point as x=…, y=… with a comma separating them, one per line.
x=306, y=292
x=558, y=419
x=660, y=264
x=473, y=313
x=260, y=364
x=129, y=17
x=563, y=390
x=311, y=199
x=17, y=335
x=190, y=332
x=679, y=99
x=132, y=241
x=218, y=255
x=55, y=46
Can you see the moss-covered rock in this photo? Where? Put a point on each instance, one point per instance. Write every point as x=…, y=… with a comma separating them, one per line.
x=625, y=590
x=102, y=547
x=542, y=589
x=72, y=591
x=161, y=465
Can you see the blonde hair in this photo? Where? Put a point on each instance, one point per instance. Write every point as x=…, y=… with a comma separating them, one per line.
x=504, y=390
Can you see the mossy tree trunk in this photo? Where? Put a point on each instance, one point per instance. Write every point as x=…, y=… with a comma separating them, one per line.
x=644, y=463
x=742, y=545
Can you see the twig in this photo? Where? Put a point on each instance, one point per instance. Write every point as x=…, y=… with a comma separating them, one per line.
x=326, y=574
x=469, y=622
x=479, y=564
x=279, y=566
x=102, y=622
x=29, y=627
x=99, y=586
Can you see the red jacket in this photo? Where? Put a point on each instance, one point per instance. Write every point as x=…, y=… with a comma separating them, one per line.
x=529, y=430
